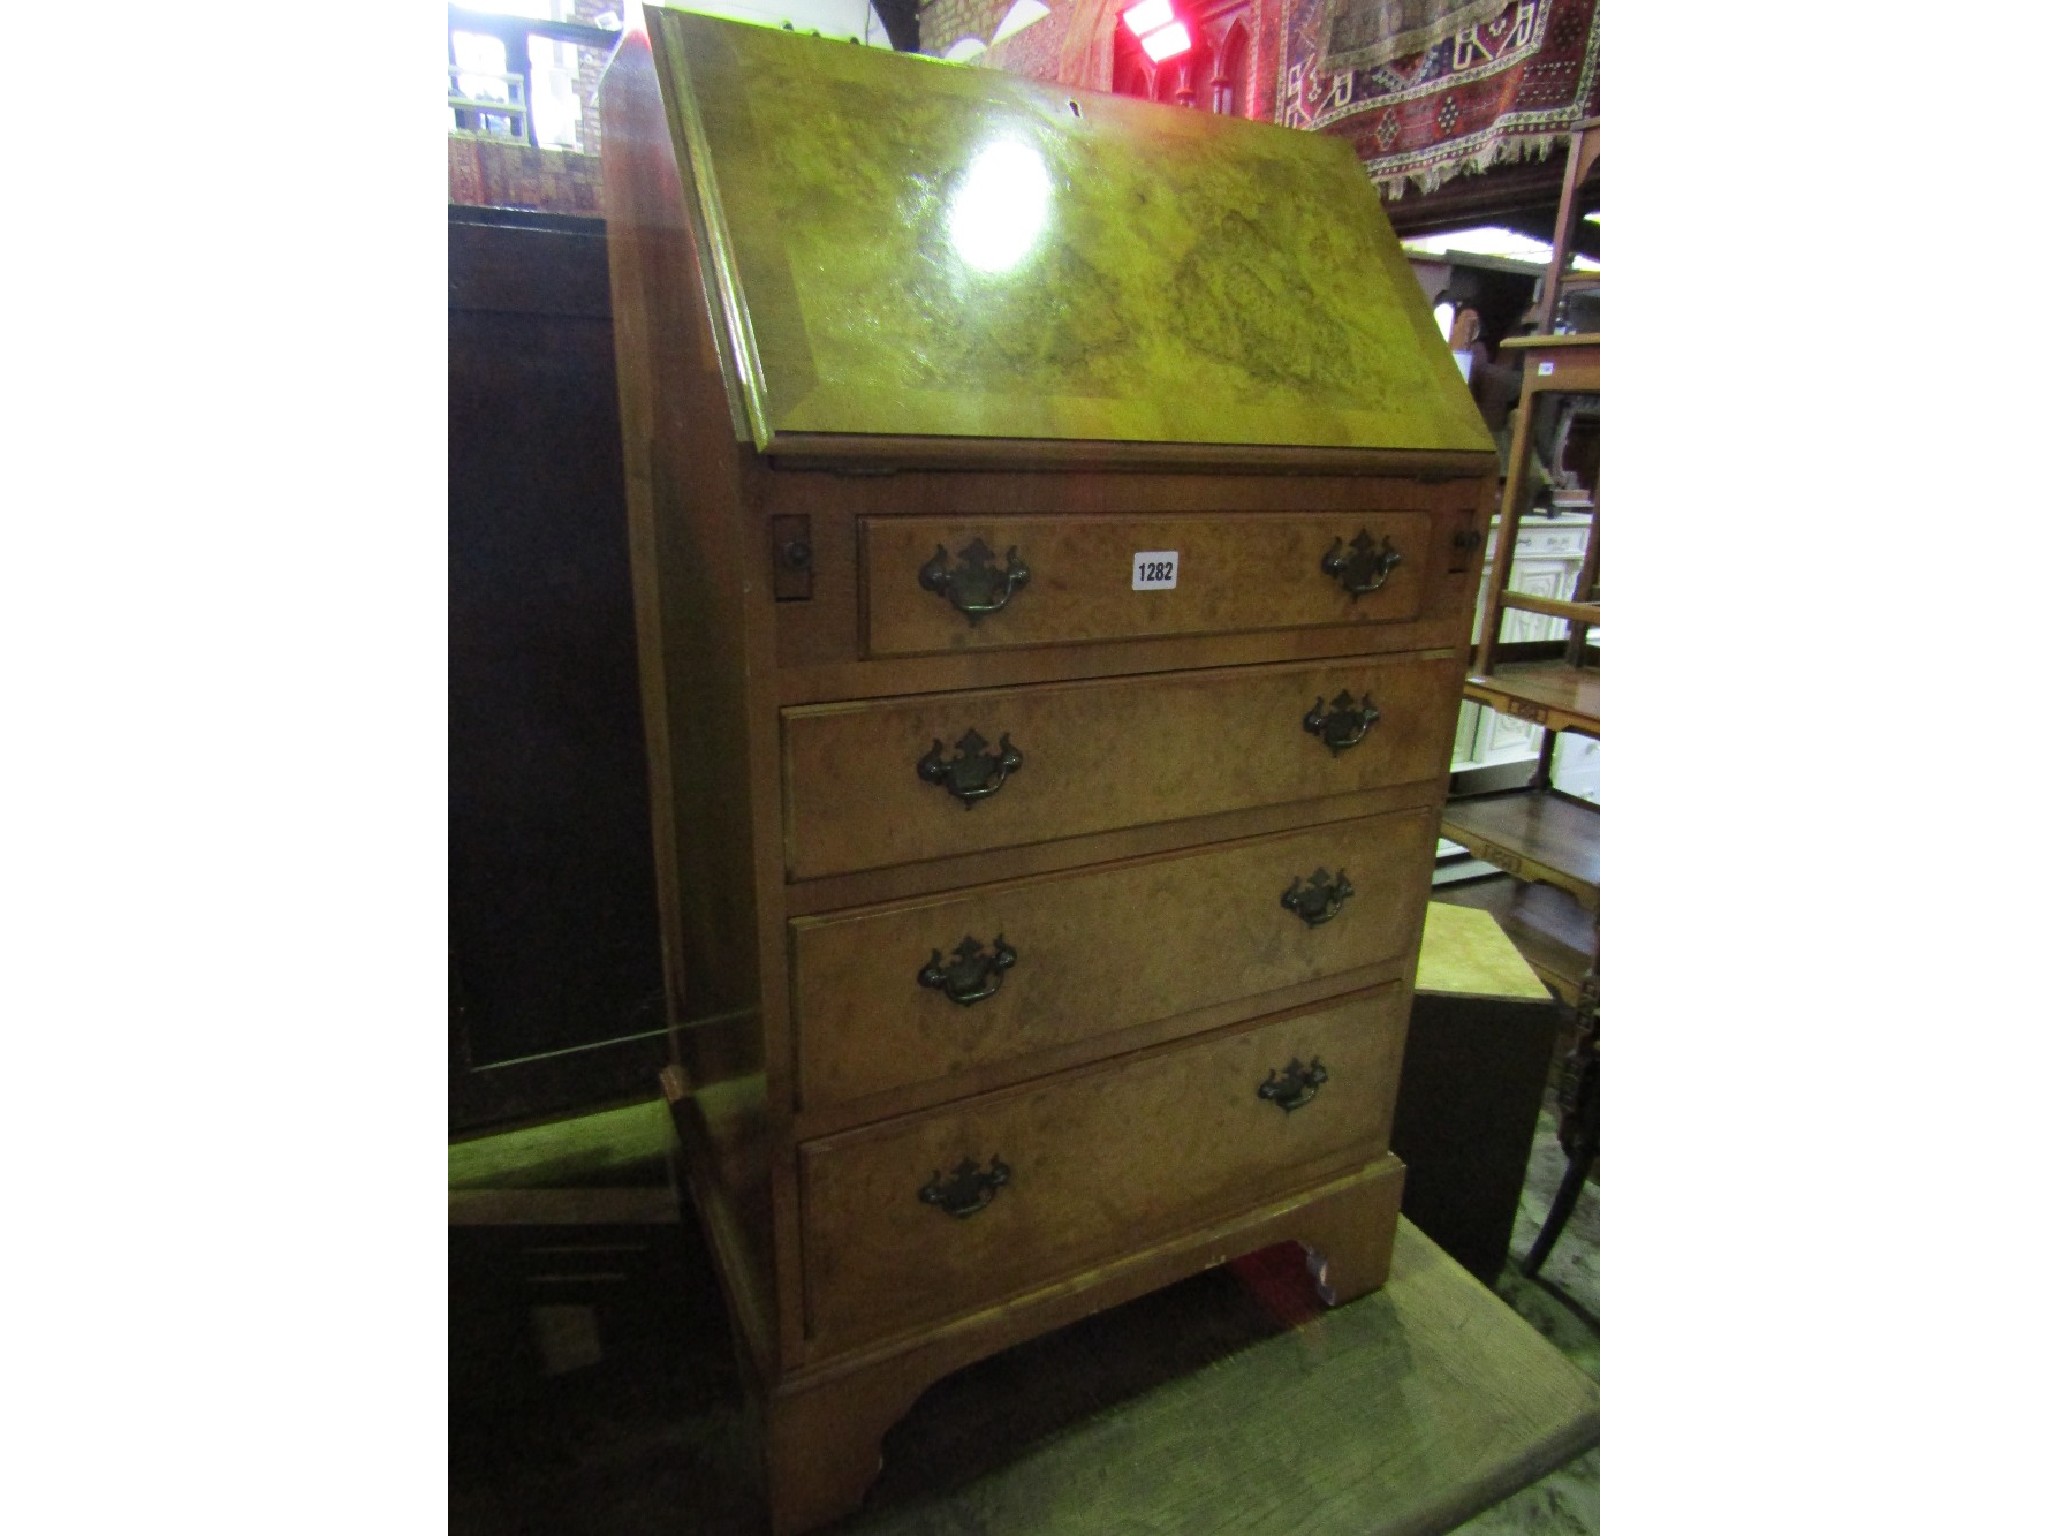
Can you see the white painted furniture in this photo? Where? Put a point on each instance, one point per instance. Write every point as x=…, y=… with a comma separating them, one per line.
x=1548, y=555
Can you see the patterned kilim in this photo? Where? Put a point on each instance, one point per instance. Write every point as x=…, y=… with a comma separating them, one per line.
x=1357, y=34
x=1500, y=91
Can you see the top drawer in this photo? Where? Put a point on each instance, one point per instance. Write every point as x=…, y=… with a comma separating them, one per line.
x=932, y=584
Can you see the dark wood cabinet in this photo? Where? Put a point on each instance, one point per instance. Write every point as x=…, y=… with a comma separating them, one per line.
x=555, y=970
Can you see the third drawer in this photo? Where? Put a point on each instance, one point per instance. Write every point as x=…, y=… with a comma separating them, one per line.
x=916, y=992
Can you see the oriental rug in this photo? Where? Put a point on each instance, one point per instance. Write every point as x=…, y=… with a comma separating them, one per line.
x=1357, y=34
x=1491, y=92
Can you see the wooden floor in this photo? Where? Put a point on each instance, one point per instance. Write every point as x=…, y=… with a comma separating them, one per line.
x=594, y=1392
x=593, y=1387
x=1365, y=1420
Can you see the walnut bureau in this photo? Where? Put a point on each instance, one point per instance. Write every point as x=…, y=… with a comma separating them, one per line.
x=1056, y=523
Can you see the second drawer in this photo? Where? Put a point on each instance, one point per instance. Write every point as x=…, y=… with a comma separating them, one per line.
x=898, y=780
x=913, y=993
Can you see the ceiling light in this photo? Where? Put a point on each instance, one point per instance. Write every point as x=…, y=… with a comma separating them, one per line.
x=1148, y=16
x=1167, y=42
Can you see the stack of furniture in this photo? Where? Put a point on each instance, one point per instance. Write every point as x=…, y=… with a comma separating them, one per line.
x=1549, y=553
x=1540, y=833
x=1546, y=838
x=1056, y=522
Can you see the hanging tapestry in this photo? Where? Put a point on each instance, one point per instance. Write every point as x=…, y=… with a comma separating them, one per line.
x=1357, y=34
x=1496, y=91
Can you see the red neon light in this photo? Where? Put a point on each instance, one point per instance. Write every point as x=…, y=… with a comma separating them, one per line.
x=1167, y=42
x=1148, y=16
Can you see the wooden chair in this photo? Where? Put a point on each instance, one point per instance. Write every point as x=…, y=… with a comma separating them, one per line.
x=1578, y=1127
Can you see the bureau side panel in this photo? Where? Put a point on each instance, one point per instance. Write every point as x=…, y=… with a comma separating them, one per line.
x=685, y=494
x=683, y=489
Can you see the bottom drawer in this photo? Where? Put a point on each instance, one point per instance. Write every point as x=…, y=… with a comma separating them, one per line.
x=936, y=1214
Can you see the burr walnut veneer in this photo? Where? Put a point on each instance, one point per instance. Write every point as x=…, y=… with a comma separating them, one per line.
x=1055, y=525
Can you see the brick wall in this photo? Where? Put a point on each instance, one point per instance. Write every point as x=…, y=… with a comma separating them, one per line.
x=1267, y=64
x=1036, y=51
x=942, y=23
x=1046, y=51
x=497, y=175
x=486, y=175
x=590, y=64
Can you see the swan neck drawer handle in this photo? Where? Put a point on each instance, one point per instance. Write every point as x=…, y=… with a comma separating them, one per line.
x=1294, y=1085
x=975, y=586
x=1340, y=727
x=1362, y=567
x=976, y=773
x=967, y=1189
x=1318, y=900
x=972, y=974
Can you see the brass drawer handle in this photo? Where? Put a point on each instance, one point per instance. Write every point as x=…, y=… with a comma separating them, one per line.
x=975, y=587
x=1343, y=725
x=967, y=1188
x=1361, y=568
x=1294, y=1085
x=972, y=974
x=976, y=773
x=1315, y=903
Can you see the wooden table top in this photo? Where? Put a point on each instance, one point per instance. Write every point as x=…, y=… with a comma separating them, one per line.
x=1556, y=696
x=1464, y=950
x=1533, y=836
